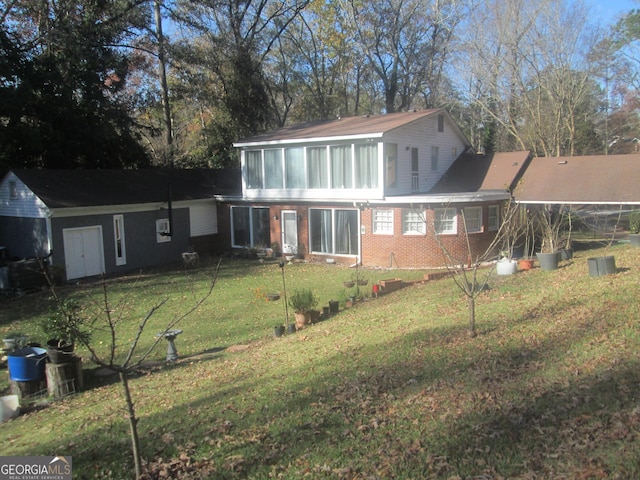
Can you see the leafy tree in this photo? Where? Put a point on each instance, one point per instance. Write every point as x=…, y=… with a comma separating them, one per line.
x=62, y=76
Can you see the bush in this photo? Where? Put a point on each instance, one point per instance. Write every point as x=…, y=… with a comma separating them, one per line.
x=302, y=301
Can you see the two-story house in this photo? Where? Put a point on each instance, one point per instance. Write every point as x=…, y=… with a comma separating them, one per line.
x=369, y=189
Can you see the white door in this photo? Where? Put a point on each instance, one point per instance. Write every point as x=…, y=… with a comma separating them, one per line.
x=289, y=232
x=83, y=252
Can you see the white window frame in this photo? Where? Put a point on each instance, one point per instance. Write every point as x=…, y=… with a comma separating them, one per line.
x=120, y=250
x=448, y=214
x=413, y=222
x=382, y=221
x=162, y=229
x=473, y=219
x=494, y=218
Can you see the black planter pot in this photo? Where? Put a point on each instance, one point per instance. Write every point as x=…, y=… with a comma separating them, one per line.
x=566, y=254
x=60, y=351
x=600, y=266
x=279, y=331
x=548, y=261
x=291, y=328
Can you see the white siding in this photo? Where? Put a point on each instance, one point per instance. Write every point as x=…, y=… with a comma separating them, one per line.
x=203, y=219
x=27, y=205
x=423, y=134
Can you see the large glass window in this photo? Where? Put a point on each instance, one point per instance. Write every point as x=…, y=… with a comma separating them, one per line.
x=473, y=219
x=273, y=168
x=294, y=167
x=413, y=222
x=317, y=167
x=445, y=220
x=334, y=231
x=250, y=227
x=253, y=163
x=366, y=165
x=341, y=167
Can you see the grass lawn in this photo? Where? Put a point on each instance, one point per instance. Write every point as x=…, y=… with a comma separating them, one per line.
x=393, y=388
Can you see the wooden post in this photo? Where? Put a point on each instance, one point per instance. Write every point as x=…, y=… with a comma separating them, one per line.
x=64, y=378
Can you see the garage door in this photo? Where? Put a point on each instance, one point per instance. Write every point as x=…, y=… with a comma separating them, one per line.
x=83, y=252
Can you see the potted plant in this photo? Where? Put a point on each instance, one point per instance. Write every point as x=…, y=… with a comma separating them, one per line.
x=511, y=232
x=634, y=228
x=566, y=252
x=64, y=326
x=303, y=301
x=548, y=223
x=14, y=341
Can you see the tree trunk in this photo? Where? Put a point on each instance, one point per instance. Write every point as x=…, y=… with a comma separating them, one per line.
x=162, y=70
x=133, y=425
x=472, y=316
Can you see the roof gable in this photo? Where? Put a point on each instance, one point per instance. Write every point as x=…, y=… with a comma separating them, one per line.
x=82, y=188
x=594, y=179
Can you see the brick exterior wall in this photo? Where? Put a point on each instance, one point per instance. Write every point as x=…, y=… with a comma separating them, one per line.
x=386, y=251
x=420, y=251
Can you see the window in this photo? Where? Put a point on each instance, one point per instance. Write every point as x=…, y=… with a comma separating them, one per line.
x=473, y=219
x=390, y=164
x=250, y=227
x=445, y=220
x=341, y=167
x=273, y=168
x=494, y=217
x=13, y=190
x=118, y=237
x=163, y=230
x=435, y=152
x=253, y=163
x=415, y=165
x=317, y=167
x=413, y=222
x=440, y=123
x=383, y=221
x=366, y=165
x=334, y=231
x=294, y=168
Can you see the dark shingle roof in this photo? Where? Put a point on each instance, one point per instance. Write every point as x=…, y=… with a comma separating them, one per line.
x=472, y=173
x=594, y=179
x=82, y=188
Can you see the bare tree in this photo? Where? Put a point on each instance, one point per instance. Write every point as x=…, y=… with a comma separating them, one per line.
x=530, y=72
x=467, y=273
x=127, y=364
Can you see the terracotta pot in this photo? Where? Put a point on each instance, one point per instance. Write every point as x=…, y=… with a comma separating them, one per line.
x=525, y=264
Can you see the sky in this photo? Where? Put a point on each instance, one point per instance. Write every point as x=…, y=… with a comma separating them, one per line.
x=610, y=10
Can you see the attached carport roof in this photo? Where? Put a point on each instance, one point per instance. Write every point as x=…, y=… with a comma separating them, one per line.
x=595, y=179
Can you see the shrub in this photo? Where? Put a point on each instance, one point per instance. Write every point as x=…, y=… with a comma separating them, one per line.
x=302, y=301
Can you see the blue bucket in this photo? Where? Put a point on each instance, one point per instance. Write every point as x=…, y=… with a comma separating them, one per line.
x=27, y=364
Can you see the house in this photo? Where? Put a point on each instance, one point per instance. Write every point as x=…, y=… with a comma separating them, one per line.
x=90, y=222
x=380, y=190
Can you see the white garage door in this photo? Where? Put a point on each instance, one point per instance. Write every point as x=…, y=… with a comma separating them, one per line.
x=83, y=252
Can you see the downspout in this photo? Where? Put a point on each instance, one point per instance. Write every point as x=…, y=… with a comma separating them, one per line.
x=170, y=209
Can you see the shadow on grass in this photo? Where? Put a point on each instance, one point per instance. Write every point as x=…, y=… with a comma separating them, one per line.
x=428, y=404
